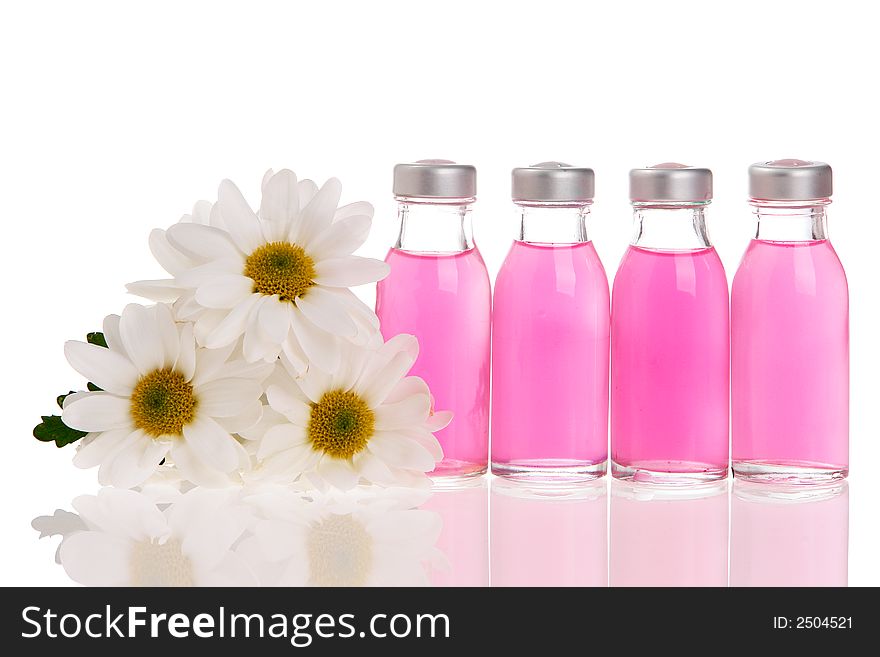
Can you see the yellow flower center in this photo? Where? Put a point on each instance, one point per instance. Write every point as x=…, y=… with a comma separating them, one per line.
x=340, y=552
x=162, y=403
x=341, y=424
x=160, y=565
x=280, y=268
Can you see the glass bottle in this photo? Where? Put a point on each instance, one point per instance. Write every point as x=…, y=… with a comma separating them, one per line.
x=438, y=290
x=790, y=333
x=670, y=335
x=550, y=334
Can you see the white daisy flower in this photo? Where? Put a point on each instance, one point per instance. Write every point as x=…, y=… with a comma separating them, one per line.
x=161, y=398
x=125, y=539
x=362, y=538
x=278, y=277
x=367, y=420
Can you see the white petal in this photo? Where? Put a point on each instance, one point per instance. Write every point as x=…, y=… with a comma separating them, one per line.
x=349, y=271
x=186, y=357
x=194, y=469
x=130, y=466
x=142, y=338
x=275, y=319
x=314, y=383
x=411, y=385
x=168, y=334
x=208, y=272
x=201, y=213
x=243, y=421
x=112, y=336
x=343, y=237
x=401, y=452
x=283, y=401
x=372, y=468
x=352, y=209
x=255, y=346
x=100, y=448
x=290, y=463
x=97, y=559
x=317, y=215
x=426, y=440
x=211, y=444
x=172, y=260
x=163, y=291
x=227, y=397
x=225, y=291
x=209, y=362
x=295, y=356
x=406, y=413
x=97, y=411
x=280, y=198
x=233, y=324
x=438, y=420
x=323, y=310
x=202, y=242
x=376, y=388
x=241, y=221
x=280, y=438
x=153, y=454
x=105, y=368
x=338, y=473
x=306, y=189
x=320, y=347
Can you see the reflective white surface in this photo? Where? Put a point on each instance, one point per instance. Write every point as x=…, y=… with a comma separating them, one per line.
x=487, y=532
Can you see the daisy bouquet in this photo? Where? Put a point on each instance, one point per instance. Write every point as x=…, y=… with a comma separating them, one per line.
x=255, y=361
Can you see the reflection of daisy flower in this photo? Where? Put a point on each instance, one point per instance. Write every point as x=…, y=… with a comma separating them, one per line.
x=160, y=397
x=362, y=538
x=278, y=277
x=366, y=420
x=130, y=542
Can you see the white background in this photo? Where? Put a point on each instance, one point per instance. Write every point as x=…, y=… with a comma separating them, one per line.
x=116, y=117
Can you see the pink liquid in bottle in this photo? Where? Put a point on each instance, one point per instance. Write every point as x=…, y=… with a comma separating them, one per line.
x=790, y=343
x=790, y=333
x=670, y=365
x=445, y=301
x=550, y=362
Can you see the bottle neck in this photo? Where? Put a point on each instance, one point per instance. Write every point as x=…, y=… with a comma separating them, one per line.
x=791, y=221
x=670, y=227
x=434, y=225
x=553, y=223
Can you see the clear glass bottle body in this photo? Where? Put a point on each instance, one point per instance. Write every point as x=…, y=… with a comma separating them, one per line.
x=790, y=350
x=670, y=351
x=439, y=291
x=550, y=350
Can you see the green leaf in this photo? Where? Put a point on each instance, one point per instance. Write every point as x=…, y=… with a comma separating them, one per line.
x=93, y=388
x=60, y=398
x=52, y=429
x=96, y=337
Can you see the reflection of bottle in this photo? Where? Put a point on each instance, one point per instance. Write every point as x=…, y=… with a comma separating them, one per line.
x=664, y=536
x=670, y=335
x=790, y=334
x=464, y=539
x=789, y=535
x=550, y=334
x=549, y=536
x=438, y=290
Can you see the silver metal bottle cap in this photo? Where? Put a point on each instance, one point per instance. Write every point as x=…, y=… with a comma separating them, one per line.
x=435, y=179
x=670, y=182
x=789, y=180
x=552, y=182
